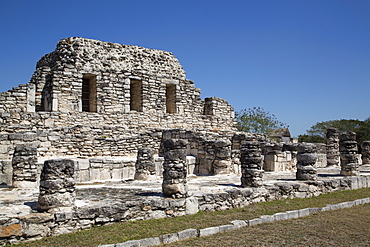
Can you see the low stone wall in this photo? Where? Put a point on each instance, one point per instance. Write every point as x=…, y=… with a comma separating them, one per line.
x=134, y=204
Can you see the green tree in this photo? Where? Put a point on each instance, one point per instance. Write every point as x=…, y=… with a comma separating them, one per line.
x=257, y=120
x=317, y=132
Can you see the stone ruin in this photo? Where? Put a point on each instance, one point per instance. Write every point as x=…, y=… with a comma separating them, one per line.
x=96, y=111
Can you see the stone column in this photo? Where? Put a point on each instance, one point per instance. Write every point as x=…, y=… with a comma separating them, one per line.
x=24, y=167
x=348, y=154
x=222, y=162
x=365, y=152
x=57, y=184
x=174, y=168
x=144, y=166
x=306, y=162
x=332, y=147
x=251, y=164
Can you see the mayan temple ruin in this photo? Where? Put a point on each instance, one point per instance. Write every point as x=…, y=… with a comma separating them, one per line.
x=105, y=132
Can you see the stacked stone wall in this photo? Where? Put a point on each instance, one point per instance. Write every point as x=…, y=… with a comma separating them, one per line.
x=120, y=206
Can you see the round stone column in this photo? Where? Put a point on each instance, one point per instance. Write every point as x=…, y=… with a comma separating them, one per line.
x=144, y=166
x=25, y=167
x=57, y=184
x=251, y=164
x=174, y=168
x=348, y=154
x=306, y=162
x=332, y=147
x=365, y=152
x=222, y=161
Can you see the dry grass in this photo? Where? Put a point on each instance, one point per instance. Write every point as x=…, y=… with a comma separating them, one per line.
x=120, y=232
x=345, y=227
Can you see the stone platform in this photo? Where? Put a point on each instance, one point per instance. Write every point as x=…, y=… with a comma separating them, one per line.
x=109, y=201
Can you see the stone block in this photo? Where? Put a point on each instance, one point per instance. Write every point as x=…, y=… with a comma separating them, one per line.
x=267, y=218
x=254, y=222
x=227, y=228
x=146, y=242
x=304, y=212
x=314, y=210
x=192, y=205
x=169, y=238
x=208, y=231
x=239, y=223
x=292, y=214
x=10, y=230
x=188, y=233
x=131, y=243
x=280, y=216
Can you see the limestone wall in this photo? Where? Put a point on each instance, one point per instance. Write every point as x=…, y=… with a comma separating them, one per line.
x=94, y=98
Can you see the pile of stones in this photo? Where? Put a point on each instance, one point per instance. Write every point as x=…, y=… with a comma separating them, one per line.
x=251, y=164
x=306, y=162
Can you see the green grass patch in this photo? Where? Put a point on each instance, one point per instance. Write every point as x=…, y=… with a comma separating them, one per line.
x=123, y=231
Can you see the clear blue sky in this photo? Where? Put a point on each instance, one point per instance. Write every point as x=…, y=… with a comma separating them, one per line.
x=305, y=61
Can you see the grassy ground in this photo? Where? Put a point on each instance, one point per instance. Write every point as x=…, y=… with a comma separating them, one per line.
x=344, y=227
x=120, y=232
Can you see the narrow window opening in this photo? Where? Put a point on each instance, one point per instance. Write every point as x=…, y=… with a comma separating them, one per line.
x=89, y=94
x=171, y=98
x=136, y=99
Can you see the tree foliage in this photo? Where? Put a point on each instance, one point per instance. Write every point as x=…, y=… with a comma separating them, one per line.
x=317, y=132
x=257, y=120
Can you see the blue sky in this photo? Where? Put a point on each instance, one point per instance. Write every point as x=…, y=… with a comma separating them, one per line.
x=305, y=61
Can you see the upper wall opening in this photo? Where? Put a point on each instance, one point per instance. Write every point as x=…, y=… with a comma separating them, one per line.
x=89, y=93
x=136, y=95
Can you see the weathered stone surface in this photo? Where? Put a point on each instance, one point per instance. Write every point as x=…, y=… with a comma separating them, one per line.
x=57, y=184
x=306, y=162
x=145, y=166
x=348, y=154
x=10, y=230
x=174, y=168
x=365, y=151
x=251, y=164
x=24, y=166
x=332, y=147
x=222, y=161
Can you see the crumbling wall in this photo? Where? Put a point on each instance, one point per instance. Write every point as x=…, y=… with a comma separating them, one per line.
x=56, y=113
